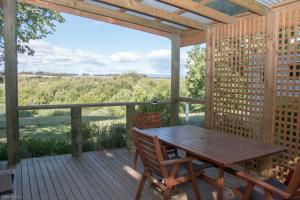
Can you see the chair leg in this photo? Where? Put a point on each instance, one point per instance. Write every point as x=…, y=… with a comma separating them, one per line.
x=194, y=181
x=167, y=194
x=248, y=191
x=135, y=157
x=141, y=185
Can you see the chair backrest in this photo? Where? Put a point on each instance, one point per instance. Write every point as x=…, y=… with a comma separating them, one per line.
x=294, y=184
x=147, y=120
x=150, y=151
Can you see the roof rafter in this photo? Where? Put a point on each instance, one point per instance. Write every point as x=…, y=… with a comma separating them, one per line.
x=192, y=37
x=114, y=17
x=201, y=10
x=136, y=6
x=252, y=6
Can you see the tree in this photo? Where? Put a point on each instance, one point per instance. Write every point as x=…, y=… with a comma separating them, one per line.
x=195, y=78
x=33, y=23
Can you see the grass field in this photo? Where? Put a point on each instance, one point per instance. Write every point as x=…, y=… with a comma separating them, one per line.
x=45, y=127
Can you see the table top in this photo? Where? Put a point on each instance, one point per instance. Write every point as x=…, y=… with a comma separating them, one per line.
x=216, y=147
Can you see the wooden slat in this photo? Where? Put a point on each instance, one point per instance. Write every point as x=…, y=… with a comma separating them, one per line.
x=201, y=10
x=252, y=6
x=141, y=8
x=90, y=105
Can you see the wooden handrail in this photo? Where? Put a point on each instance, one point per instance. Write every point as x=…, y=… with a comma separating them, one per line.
x=192, y=100
x=106, y=104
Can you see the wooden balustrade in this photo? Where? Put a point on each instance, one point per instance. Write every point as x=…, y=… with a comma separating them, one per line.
x=76, y=118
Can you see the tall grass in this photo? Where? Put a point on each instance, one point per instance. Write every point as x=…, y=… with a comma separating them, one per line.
x=96, y=136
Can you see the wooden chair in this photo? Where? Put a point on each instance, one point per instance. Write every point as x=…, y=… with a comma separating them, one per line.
x=271, y=188
x=145, y=121
x=173, y=172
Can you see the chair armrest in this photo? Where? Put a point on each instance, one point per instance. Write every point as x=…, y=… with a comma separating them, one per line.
x=176, y=161
x=263, y=184
x=287, y=166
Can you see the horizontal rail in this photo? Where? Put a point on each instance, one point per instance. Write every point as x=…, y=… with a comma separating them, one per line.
x=90, y=105
x=192, y=100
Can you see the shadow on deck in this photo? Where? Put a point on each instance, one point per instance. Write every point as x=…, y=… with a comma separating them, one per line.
x=96, y=175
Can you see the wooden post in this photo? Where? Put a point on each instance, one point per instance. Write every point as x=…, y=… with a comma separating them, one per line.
x=269, y=90
x=208, y=81
x=11, y=80
x=130, y=110
x=175, y=79
x=76, y=131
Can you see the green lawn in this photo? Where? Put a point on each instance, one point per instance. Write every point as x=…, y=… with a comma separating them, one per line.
x=44, y=127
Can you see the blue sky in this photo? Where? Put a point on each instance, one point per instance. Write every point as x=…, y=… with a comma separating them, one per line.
x=82, y=45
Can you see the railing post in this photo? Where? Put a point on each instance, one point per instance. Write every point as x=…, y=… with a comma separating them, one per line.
x=175, y=79
x=130, y=110
x=76, y=131
x=11, y=80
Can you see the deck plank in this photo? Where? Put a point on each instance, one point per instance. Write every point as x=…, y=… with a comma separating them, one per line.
x=40, y=180
x=59, y=189
x=120, y=168
x=104, y=175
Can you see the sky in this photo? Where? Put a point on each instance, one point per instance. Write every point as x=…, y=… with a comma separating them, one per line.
x=81, y=45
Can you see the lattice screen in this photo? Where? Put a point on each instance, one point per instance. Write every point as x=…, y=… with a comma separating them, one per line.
x=238, y=77
x=238, y=63
x=287, y=79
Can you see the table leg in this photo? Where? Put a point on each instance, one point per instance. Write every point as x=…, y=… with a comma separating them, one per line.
x=220, y=184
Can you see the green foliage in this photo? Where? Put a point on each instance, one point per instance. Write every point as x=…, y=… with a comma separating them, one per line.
x=149, y=90
x=195, y=78
x=96, y=136
x=33, y=23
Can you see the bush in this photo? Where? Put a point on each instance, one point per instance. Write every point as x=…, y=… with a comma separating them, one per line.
x=97, y=136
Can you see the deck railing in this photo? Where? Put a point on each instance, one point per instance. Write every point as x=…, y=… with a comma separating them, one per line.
x=76, y=116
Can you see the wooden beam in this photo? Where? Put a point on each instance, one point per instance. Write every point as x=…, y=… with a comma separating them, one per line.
x=76, y=131
x=130, y=110
x=11, y=80
x=269, y=89
x=205, y=2
x=201, y=10
x=175, y=79
x=209, y=81
x=192, y=38
x=103, y=14
x=158, y=13
x=252, y=6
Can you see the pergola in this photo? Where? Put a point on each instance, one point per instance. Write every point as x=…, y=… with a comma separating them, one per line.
x=252, y=64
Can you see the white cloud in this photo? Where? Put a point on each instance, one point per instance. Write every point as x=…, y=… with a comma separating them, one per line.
x=52, y=58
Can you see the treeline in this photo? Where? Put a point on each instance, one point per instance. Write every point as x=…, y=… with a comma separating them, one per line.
x=57, y=90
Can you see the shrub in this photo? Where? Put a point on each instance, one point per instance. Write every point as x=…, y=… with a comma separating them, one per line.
x=95, y=137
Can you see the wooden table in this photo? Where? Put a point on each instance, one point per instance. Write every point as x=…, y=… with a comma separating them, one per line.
x=221, y=149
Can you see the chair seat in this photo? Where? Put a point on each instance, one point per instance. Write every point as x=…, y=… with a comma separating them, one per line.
x=183, y=169
x=259, y=195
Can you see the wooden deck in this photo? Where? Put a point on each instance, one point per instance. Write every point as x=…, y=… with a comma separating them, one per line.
x=96, y=175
